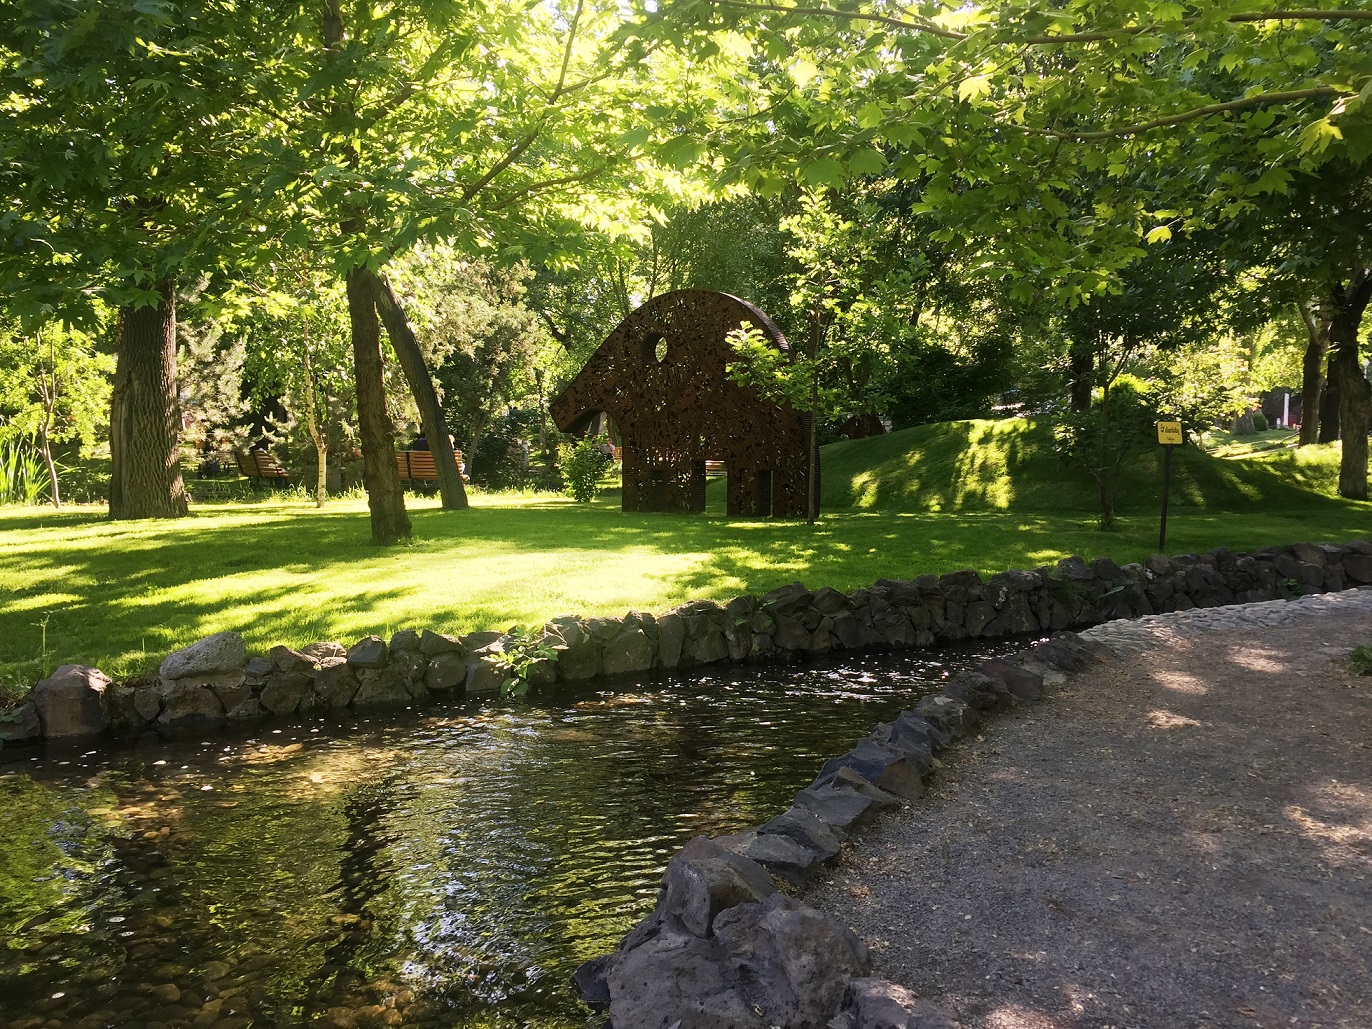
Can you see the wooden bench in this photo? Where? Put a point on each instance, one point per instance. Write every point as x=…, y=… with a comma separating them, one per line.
x=260, y=464
x=714, y=469
x=418, y=466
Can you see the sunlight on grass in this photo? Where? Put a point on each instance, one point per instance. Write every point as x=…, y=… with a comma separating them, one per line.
x=122, y=595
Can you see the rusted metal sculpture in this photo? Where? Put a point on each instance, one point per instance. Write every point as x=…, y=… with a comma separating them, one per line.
x=660, y=375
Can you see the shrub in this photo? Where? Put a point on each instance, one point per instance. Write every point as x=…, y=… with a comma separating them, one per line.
x=583, y=463
x=1361, y=659
x=1259, y=422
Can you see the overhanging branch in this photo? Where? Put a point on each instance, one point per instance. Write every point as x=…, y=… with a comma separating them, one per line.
x=1051, y=39
x=1181, y=117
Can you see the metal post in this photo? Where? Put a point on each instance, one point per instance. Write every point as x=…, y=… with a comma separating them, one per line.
x=1166, y=488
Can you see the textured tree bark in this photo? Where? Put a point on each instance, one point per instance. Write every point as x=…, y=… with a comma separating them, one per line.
x=1312, y=372
x=321, y=444
x=145, y=414
x=385, y=496
x=1329, y=406
x=451, y=491
x=1355, y=395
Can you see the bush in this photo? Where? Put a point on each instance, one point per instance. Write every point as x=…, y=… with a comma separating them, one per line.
x=501, y=460
x=583, y=463
x=1259, y=422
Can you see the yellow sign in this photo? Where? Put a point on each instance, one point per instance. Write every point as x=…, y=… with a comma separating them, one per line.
x=1169, y=434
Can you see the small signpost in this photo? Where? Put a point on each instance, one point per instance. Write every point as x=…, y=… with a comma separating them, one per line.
x=1169, y=435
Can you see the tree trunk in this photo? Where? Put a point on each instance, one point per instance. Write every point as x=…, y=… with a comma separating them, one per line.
x=1346, y=374
x=422, y=388
x=321, y=443
x=1312, y=372
x=1083, y=371
x=1329, y=406
x=385, y=497
x=48, y=391
x=145, y=414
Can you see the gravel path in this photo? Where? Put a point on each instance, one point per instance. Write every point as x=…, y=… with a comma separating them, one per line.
x=1180, y=836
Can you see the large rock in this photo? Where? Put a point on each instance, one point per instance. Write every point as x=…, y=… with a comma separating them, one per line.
x=780, y=855
x=336, y=683
x=948, y=714
x=432, y=644
x=981, y=692
x=843, y=809
x=231, y=688
x=447, y=670
x=487, y=671
x=791, y=961
x=580, y=651
x=222, y=652
x=706, y=649
x=630, y=650
x=369, y=652
x=800, y=825
x=787, y=599
x=878, y=1004
x=284, y=691
x=21, y=724
x=1358, y=567
x=72, y=702
x=671, y=635
x=774, y=962
x=325, y=649
x=1021, y=681
x=188, y=707
x=882, y=765
x=293, y=661
x=380, y=687
x=704, y=879
x=670, y=976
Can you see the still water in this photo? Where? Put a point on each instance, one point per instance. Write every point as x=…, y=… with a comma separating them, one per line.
x=440, y=869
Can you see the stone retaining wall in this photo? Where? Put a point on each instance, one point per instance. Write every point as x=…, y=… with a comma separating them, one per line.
x=215, y=682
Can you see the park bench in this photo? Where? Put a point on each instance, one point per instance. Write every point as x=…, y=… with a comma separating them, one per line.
x=418, y=466
x=260, y=464
x=714, y=469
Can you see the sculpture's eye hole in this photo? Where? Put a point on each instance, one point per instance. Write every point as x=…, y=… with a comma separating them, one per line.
x=654, y=348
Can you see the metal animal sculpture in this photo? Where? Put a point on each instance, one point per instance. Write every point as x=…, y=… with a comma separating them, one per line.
x=660, y=375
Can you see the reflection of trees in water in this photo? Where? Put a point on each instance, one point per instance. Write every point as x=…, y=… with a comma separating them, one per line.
x=475, y=859
x=53, y=862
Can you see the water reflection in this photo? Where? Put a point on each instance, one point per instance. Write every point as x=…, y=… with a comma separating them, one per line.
x=448, y=869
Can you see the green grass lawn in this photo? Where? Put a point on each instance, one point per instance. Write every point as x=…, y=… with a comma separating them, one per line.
x=1222, y=443
x=77, y=587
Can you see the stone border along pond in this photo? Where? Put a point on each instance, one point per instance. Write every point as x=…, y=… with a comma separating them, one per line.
x=215, y=683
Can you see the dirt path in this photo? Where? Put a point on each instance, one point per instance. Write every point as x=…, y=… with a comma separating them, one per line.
x=1178, y=838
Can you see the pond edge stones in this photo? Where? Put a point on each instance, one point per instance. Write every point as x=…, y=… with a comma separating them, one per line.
x=216, y=684
x=725, y=946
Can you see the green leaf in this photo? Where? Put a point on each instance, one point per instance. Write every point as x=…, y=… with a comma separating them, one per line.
x=681, y=152
x=1274, y=180
x=1159, y=235
x=870, y=115
x=867, y=162
x=824, y=172
x=973, y=87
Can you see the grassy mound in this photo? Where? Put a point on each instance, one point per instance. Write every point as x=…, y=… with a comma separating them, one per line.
x=1009, y=465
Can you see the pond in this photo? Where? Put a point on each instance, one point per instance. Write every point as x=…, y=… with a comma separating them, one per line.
x=436, y=868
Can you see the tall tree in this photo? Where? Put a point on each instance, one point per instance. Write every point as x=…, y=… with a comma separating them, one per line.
x=121, y=124
x=491, y=126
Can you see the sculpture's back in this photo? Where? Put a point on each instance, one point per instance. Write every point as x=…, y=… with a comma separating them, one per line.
x=661, y=375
